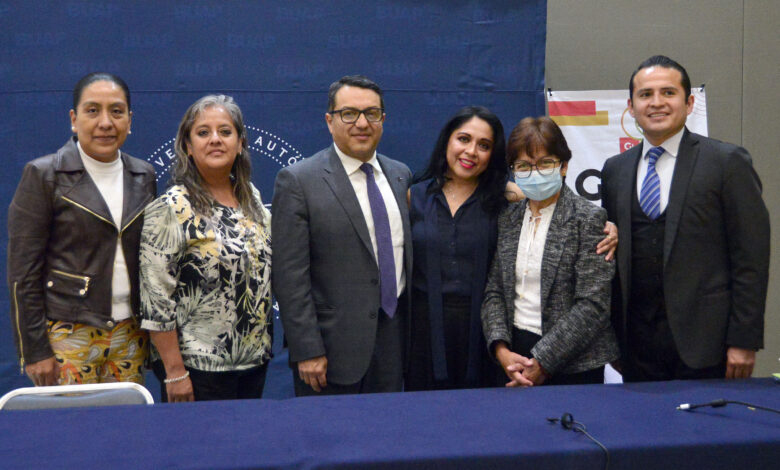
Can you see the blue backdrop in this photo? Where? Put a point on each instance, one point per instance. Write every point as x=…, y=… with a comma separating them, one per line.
x=277, y=59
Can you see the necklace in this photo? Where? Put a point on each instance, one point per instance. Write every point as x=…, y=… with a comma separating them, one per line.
x=456, y=195
x=453, y=191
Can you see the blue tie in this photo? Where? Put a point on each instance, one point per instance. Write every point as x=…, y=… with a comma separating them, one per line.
x=650, y=195
x=384, y=243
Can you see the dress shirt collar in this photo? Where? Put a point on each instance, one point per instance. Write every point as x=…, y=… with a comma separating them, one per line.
x=670, y=145
x=352, y=165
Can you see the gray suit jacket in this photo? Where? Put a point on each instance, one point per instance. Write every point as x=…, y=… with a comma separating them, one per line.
x=576, y=331
x=325, y=276
x=716, y=248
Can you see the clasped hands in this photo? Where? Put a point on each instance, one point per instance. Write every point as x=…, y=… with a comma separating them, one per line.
x=522, y=371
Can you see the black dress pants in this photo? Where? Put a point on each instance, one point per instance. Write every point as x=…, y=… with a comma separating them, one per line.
x=456, y=317
x=385, y=372
x=653, y=355
x=231, y=385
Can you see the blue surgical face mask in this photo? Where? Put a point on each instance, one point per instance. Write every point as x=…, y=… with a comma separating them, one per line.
x=538, y=187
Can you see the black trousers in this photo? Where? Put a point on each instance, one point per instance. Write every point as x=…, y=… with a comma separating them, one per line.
x=653, y=355
x=523, y=341
x=456, y=316
x=231, y=385
x=385, y=371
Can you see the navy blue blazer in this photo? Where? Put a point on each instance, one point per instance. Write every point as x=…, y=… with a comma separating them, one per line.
x=427, y=262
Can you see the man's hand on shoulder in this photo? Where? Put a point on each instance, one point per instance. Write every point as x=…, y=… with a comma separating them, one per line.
x=739, y=363
x=609, y=244
x=313, y=372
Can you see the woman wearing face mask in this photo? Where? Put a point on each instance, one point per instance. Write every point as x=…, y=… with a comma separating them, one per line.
x=546, y=311
x=206, y=264
x=74, y=228
x=454, y=207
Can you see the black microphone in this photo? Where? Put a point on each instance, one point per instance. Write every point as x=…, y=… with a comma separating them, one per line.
x=567, y=422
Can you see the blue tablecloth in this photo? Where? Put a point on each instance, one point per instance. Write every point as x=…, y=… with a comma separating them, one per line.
x=496, y=428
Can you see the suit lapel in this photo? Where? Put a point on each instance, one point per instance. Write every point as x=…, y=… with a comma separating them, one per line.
x=625, y=194
x=84, y=192
x=399, y=184
x=625, y=189
x=683, y=169
x=338, y=181
x=553, y=246
x=507, y=249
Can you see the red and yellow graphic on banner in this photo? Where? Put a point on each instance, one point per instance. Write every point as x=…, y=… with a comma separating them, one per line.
x=577, y=113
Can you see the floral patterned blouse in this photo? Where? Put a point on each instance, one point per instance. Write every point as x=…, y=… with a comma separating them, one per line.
x=209, y=278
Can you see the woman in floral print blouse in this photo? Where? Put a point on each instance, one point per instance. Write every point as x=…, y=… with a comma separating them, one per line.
x=206, y=264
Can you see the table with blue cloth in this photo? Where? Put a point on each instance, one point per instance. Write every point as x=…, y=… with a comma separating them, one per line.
x=487, y=428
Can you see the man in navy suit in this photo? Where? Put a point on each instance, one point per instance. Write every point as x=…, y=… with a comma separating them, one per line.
x=693, y=259
x=339, y=272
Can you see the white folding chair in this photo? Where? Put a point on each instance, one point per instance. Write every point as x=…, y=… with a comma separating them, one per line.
x=71, y=396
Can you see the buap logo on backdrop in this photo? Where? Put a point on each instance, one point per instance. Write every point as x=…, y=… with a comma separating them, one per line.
x=268, y=150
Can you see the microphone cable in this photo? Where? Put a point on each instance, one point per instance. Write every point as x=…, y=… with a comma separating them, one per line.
x=721, y=403
x=567, y=422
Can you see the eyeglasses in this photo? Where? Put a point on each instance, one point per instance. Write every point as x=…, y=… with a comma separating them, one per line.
x=351, y=115
x=545, y=166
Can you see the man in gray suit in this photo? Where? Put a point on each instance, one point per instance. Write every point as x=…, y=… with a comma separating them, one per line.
x=693, y=258
x=342, y=253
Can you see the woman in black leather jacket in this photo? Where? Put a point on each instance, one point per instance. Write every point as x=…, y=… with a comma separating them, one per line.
x=74, y=226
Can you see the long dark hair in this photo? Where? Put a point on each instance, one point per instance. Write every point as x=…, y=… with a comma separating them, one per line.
x=492, y=182
x=186, y=173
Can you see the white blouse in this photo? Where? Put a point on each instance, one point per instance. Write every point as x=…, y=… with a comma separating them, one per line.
x=528, y=270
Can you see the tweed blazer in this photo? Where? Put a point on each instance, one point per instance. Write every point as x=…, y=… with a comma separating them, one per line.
x=576, y=331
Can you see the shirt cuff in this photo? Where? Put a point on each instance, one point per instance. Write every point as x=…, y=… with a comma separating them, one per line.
x=158, y=325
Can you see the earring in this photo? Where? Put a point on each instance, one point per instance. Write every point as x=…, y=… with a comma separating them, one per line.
x=129, y=131
x=73, y=128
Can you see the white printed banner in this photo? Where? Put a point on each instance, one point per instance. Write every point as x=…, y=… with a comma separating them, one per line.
x=597, y=125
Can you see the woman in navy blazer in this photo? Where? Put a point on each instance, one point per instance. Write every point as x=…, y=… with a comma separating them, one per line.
x=454, y=205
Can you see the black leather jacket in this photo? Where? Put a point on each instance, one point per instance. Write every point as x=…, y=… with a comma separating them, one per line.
x=62, y=243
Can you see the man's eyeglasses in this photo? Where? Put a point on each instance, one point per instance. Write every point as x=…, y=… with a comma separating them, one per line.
x=351, y=115
x=545, y=166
